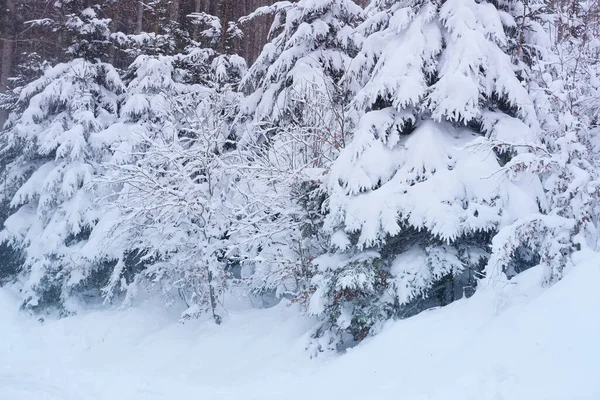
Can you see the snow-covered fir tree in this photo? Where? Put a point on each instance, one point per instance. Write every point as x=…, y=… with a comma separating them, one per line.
x=31, y=68
x=168, y=38
x=212, y=60
x=309, y=50
x=49, y=131
x=416, y=197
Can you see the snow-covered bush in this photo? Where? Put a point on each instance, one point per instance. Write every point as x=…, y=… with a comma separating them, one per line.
x=567, y=94
x=169, y=180
x=172, y=209
x=277, y=231
x=297, y=125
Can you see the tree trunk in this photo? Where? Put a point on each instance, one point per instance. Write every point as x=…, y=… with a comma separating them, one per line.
x=213, y=299
x=198, y=7
x=8, y=52
x=139, y=22
x=174, y=11
x=223, y=13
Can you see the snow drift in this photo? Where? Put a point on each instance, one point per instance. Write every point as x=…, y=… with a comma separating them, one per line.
x=513, y=342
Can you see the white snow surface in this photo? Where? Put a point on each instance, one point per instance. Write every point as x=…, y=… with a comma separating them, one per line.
x=514, y=342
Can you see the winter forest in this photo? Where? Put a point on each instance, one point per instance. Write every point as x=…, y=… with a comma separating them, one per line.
x=361, y=161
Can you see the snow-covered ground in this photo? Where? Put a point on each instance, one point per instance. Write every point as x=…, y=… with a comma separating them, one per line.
x=499, y=345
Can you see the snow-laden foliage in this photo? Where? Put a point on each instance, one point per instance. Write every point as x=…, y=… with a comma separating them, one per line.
x=169, y=179
x=88, y=34
x=166, y=38
x=370, y=164
x=415, y=198
x=172, y=208
x=49, y=133
x=297, y=125
x=278, y=231
x=54, y=209
x=28, y=70
x=567, y=93
x=309, y=50
x=224, y=39
x=151, y=43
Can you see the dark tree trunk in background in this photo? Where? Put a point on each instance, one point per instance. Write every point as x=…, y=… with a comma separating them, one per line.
x=256, y=31
x=139, y=20
x=8, y=50
x=174, y=10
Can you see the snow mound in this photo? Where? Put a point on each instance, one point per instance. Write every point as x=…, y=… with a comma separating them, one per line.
x=514, y=342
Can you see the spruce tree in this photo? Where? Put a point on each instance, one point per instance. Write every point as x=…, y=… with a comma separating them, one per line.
x=309, y=49
x=415, y=198
x=50, y=131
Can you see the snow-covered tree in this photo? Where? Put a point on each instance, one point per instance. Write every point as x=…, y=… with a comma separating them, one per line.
x=309, y=50
x=31, y=68
x=155, y=104
x=215, y=35
x=169, y=41
x=168, y=154
x=171, y=209
x=280, y=193
x=415, y=198
x=49, y=132
x=212, y=60
x=298, y=123
x=565, y=82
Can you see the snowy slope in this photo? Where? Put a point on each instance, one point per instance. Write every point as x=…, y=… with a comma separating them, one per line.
x=500, y=344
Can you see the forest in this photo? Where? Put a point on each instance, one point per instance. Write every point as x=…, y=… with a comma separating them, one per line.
x=365, y=161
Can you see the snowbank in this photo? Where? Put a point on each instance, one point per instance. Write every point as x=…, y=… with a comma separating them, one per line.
x=516, y=342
